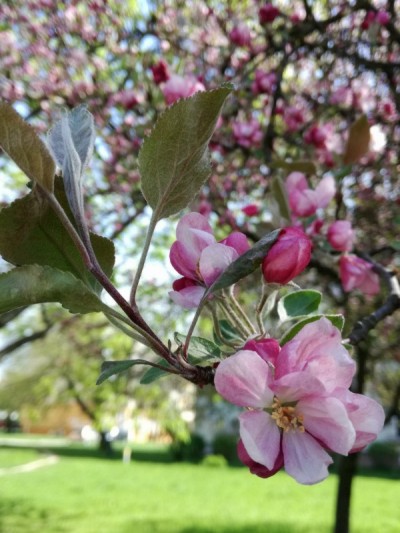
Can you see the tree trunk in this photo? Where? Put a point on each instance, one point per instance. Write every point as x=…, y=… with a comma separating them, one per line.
x=105, y=445
x=347, y=470
x=348, y=465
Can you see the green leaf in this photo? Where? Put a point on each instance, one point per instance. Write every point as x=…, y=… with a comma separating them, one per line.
x=199, y=349
x=31, y=233
x=174, y=159
x=337, y=321
x=298, y=303
x=153, y=373
x=34, y=284
x=245, y=264
x=228, y=332
x=358, y=142
x=307, y=167
x=110, y=368
x=22, y=144
x=279, y=192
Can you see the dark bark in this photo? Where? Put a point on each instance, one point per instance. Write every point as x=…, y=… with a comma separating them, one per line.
x=105, y=445
x=348, y=465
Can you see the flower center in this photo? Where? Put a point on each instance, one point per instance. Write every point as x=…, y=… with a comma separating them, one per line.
x=286, y=417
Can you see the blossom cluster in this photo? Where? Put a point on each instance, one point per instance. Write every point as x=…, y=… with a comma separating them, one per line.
x=354, y=272
x=298, y=404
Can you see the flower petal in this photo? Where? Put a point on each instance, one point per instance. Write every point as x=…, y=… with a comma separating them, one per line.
x=242, y=379
x=189, y=297
x=366, y=415
x=297, y=385
x=213, y=261
x=261, y=437
x=256, y=468
x=238, y=241
x=305, y=460
x=193, y=234
x=318, y=349
x=325, y=191
x=327, y=420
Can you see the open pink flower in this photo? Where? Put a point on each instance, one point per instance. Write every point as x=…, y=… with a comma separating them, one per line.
x=298, y=407
x=355, y=273
x=199, y=258
x=304, y=201
x=290, y=416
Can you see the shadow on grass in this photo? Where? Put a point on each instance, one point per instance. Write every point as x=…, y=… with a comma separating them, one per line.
x=155, y=526
x=142, y=454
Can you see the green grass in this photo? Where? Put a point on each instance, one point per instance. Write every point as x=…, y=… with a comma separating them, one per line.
x=86, y=494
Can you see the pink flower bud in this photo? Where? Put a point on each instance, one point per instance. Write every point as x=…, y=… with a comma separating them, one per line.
x=341, y=235
x=268, y=13
x=355, y=273
x=250, y=210
x=160, y=72
x=288, y=257
x=267, y=349
x=240, y=35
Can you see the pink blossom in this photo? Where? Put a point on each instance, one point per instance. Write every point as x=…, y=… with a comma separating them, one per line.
x=288, y=257
x=382, y=18
x=318, y=135
x=127, y=98
x=388, y=110
x=268, y=13
x=293, y=118
x=304, y=201
x=342, y=96
x=248, y=134
x=160, y=72
x=198, y=257
x=240, y=35
x=368, y=20
x=251, y=210
x=355, y=273
x=178, y=87
x=317, y=349
x=298, y=407
x=264, y=82
x=341, y=235
x=285, y=418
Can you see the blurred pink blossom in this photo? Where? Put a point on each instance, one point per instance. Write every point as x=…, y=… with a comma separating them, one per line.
x=240, y=35
x=341, y=235
x=355, y=273
x=248, y=134
x=178, y=87
x=304, y=201
x=264, y=82
x=268, y=13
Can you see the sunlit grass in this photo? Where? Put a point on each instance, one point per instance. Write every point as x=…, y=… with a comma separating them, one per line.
x=92, y=495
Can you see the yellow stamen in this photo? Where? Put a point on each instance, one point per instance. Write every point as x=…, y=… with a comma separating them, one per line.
x=286, y=417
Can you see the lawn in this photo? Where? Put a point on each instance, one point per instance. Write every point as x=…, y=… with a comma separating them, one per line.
x=85, y=494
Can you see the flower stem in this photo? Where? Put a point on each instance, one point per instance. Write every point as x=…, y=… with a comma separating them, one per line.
x=143, y=257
